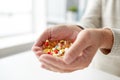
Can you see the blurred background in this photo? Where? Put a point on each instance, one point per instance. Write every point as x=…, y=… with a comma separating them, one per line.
x=22, y=21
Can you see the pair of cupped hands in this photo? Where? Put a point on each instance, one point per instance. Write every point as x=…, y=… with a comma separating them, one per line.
x=86, y=42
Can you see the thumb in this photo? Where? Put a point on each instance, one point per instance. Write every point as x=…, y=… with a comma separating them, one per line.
x=78, y=46
x=44, y=36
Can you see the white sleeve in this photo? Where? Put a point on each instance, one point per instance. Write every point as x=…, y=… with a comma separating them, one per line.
x=92, y=16
x=115, y=51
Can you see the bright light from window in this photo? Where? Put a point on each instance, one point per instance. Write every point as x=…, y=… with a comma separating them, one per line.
x=15, y=17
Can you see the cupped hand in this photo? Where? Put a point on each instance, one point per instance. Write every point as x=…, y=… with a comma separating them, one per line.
x=79, y=55
x=58, y=32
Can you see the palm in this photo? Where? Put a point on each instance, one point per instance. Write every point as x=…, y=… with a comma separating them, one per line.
x=63, y=32
x=66, y=32
x=59, y=32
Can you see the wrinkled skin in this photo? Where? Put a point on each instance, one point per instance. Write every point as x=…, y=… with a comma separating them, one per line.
x=79, y=55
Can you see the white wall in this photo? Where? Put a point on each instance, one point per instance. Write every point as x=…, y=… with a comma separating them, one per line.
x=56, y=9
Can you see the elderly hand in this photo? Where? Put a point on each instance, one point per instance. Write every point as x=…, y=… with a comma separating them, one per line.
x=59, y=32
x=80, y=54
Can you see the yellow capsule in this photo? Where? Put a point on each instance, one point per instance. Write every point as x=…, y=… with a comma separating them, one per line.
x=62, y=50
x=46, y=50
x=53, y=49
x=61, y=41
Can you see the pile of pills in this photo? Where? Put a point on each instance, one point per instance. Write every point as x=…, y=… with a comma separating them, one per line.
x=56, y=48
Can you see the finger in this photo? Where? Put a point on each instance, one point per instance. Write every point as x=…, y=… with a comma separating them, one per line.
x=52, y=60
x=59, y=63
x=50, y=67
x=38, y=54
x=79, y=63
x=44, y=36
x=78, y=46
x=36, y=48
